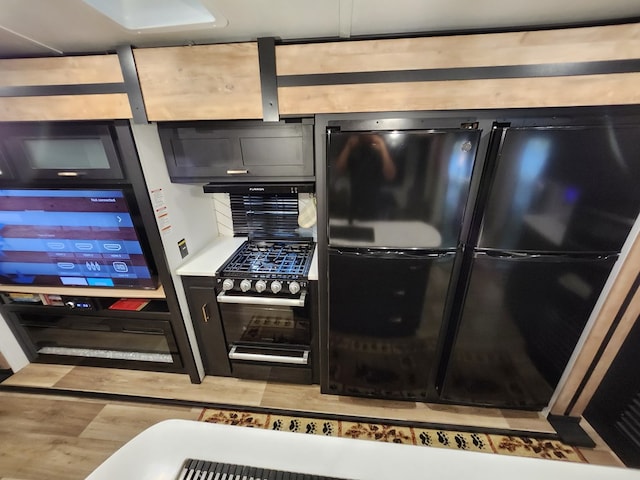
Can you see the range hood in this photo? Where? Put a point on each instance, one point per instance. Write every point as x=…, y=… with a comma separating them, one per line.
x=259, y=188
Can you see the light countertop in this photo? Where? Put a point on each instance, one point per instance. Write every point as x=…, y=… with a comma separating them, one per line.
x=207, y=261
x=159, y=453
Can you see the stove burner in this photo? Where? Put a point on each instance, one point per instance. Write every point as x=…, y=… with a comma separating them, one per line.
x=276, y=259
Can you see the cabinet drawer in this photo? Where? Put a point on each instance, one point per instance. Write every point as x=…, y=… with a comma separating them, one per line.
x=238, y=151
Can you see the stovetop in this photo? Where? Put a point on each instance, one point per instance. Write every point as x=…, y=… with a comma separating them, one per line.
x=266, y=268
x=270, y=259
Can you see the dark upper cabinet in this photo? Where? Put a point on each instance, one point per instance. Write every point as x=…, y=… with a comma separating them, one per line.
x=46, y=151
x=238, y=151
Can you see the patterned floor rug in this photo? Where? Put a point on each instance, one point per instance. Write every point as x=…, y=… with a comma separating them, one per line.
x=481, y=442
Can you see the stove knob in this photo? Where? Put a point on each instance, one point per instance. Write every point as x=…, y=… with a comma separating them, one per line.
x=294, y=287
x=227, y=284
x=276, y=286
x=245, y=285
x=261, y=286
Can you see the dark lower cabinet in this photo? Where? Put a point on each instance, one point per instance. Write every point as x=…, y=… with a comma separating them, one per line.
x=201, y=298
x=614, y=411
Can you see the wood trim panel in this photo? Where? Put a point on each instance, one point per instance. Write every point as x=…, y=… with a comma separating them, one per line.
x=612, y=89
x=615, y=42
x=60, y=71
x=619, y=291
x=65, y=107
x=200, y=82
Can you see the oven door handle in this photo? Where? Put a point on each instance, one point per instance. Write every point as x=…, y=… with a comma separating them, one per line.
x=261, y=357
x=271, y=301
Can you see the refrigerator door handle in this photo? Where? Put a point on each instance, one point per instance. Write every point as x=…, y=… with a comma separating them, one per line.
x=390, y=254
x=502, y=254
x=553, y=257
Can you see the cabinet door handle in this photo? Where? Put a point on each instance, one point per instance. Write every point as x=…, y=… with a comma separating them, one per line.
x=205, y=315
x=70, y=174
x=237, y=172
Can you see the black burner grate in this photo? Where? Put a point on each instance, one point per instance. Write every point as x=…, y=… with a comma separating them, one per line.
x=274, y=258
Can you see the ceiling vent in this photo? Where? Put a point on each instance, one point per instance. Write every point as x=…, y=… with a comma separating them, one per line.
x=157, y=15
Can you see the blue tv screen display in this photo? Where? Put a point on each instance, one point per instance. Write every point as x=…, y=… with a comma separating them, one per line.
x=74, y=238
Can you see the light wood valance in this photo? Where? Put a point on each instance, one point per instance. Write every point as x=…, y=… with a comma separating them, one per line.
x=63, y=88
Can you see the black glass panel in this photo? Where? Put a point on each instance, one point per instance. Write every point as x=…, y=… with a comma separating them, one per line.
x=385, y=313
x=399, y=189
x=266, y=325
x=521, y=321
x=79, y=153
x=564, y=189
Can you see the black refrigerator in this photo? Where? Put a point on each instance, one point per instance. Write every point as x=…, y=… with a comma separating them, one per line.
x=396, y=201
x=554, y=209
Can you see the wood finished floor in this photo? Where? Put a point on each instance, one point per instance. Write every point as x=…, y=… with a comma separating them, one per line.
x=52, y=436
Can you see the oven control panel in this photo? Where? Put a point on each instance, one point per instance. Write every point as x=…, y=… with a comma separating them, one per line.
x=261, y=286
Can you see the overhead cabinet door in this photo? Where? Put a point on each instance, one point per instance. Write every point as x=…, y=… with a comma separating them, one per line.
x=42, y=151
x=208, y=152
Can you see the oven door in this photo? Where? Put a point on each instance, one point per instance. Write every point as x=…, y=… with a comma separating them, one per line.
x=266, y=331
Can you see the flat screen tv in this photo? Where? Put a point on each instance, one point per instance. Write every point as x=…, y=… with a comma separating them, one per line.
x=71, y=238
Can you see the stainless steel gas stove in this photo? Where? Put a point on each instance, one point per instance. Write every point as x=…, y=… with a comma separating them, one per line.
x=266, y=309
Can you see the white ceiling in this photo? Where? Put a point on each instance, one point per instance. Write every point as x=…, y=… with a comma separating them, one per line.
x=54, y=27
